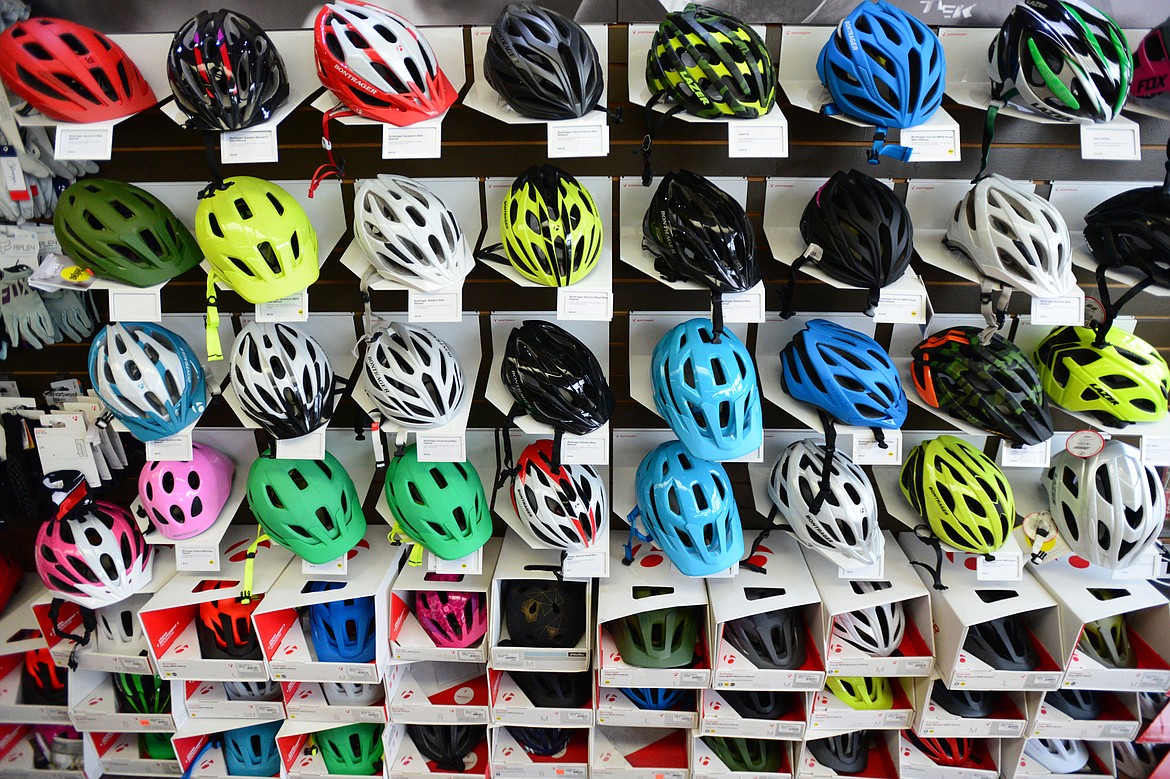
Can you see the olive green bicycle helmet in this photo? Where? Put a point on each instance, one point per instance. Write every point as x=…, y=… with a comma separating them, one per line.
x=310, y=507
x=864, y=693
x=123, y=233
x=961, y=493
x=142, y=694
x=439, y=505
x=747, y=754
x=352, y=749
x=662, y=638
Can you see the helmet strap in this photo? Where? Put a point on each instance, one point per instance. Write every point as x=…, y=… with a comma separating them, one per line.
x=923, y=534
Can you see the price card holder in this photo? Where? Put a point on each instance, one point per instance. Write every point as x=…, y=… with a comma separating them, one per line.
x=256, y=144
x=1120, y=139
x=866, y=450
x=422, y=141
x=866, y=572
x=594, y=305
x=935, y=141
x=294, y=308
x=591, y=449
x=197, y=557
x=584, y=137
x=763, y=137
x=1155, y=451
x=435, y=306
x=442, y=447
x=84, y=142
x=336, y=567
x=176, y=448
x=1036, y=456
x=471, y=565
x=1006, y=567
x=744, y=306
x=307, y=447
x=901, y=308
x=136, y=305
x=1067, y=310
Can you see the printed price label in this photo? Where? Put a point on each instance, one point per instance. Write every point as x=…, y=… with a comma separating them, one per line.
x=256, y=144
x=294, y=308
x=176, y=448
x=901, y=308
x=584, y=137
x=1035, y=456
x=84, y=142
x=867, y=450
x=136, y=305
x=435, y=306
x=594, y=305
x=422, y=141
x=442, y=448
x=1067, y=310
x=1117, y=140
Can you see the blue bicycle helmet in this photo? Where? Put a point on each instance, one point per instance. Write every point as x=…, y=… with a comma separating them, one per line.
x=705, y=388
x=343, y=630
x=884, y=67
x=658, y=698
x=689, y=509
x=251, y=751
x=543, y=742
x=845, y=373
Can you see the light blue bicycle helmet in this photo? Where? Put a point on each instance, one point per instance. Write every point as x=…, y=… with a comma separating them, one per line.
x=251, y=751
x=884, y=67
x=689, y=509
x=845, y=373
x=343, y=630
x=705, y=388
x=657, y=698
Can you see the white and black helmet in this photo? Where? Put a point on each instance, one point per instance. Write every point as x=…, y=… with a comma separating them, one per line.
x=283, y=379
x=413, y=376
x=877, y=630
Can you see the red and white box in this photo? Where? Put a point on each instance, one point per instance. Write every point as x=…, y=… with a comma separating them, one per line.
x=639, y=753
x=308, y=701
x=705, y=763
x=404, y=760
x=717, y=717
x=510, y=706
x=1008, y=718
x=93, y=706
x=438, y=694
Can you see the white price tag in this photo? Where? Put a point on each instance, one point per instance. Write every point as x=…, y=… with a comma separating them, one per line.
x=422, y=141
x=901, y=308
x=441, y=447
x=1155, y=451
x=1117, y=140
x=201, y=557
x=471, y=565
x=1004, y=568
x=867, y=450
x=763, y=137
x=136, y=305
x=335, y=567
x=256, y=144
x=1067, y=310
x=876, y=570
x=584, y=137
x=84, y=142
x=176, y=448
x=19, y=246
x=594, y=305
x=307, y=447
x=1036, y=456
x=744, y=306
x=435, y=306
x=932, y=144
x=294, y=308
x=584, y=565
x=590, y=449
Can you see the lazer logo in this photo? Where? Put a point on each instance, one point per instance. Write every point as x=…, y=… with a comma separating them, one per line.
x=1150, y=85
x=949, y=10
x=1105, y=396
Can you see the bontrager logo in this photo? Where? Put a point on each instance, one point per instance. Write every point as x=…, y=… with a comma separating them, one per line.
x=1105, y=396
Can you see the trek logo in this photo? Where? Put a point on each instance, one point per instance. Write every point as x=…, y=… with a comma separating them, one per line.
x=1105, y=396
x=1150, y=85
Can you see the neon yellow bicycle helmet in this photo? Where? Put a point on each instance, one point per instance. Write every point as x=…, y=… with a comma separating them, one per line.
x=864, y=693
x=257, y=238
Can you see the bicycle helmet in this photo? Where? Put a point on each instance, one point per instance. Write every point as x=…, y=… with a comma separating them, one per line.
x=697, y=232
x=990, y=385
x=847, y=753
x=846, y=374
x=1075, y=702
x=408, y=234
x=864, y=693
x=1063, y=59
x=94, y=556
x=662, y=638
x=439, y=505
x=1151, y=69
x=1108, y=507
x=1059, y=755
x=1106, y=640
x=225, y=72
x=555, y=378
x=704, y=386
x=772, y=639
x=446, y=745
x=1137, y=760
x=747, y=754
x=182, y=499
x=148, y=377
x=711, y=64
x=689, y=509
x=352, y=693
x=257, y=239
x=542, y=64
x=343, y=630
x=251, y=750
x=883, y=66
x=224, y=627
x=550, y=227
x=1132, y=228
x=543, y=742
x=283, y=379
x=758, y=704
x=659, y=698
x=42, y=682
x=963, y=703
x=310, y=507
x=555, y=690
x=354, y=749
x=1123, y=381
x=71, y=73
x=118, y=628
x=413, y=376
x=452, y=619
x=564, y=506
x=545, y=612
x=1002, y=643
x=1014, y=236
x=253, y=691
x=378, y=64
x=875, y=630
x=145, y=694
x=961, y=493
x=121, y=232
x=846, y=520
x=863, y=232
x=952, y=752
x=10, y=578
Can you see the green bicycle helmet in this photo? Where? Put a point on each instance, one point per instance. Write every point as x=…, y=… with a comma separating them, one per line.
x=747, y=754
x=156, y=746
x=439, y=505
x=310, y=507
x=142, y=694
x=123, y=233
x=1123, y=380
x=352, y=749
x=864, y=693
x=961, y=493
x=662, y=638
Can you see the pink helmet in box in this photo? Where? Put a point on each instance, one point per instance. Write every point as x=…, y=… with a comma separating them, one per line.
x=182, y=499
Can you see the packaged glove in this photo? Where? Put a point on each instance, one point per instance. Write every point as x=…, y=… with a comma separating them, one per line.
x=26, y=320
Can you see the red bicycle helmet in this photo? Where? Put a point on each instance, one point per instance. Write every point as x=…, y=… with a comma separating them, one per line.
x=42, y=681
x=72, y=73
x=10, y=574
x=224, y=627
x=954, y=752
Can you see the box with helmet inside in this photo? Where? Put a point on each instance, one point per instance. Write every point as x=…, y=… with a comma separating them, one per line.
x=438, y=693
x=946, y=757
x=436, y=751
x=1056, y=757
x=722, y=757
x=128, y=703
x=247, y=699
x=133, y=754
x=542, y=697
x=1077, y=712
x=353, y=749
x=754, y=713
x=942, y=711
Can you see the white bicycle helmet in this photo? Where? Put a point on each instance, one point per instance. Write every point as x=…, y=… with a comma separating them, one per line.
x=119, y=631
x=845, y=521
x=1106, y=640
x=1013, y=236
x=352, y=693
x=1137, y=761
x=877, y=630
x=413, y=376
x=283, y=379
x=409, y=235
x=1109, y=507
x=252, y=691
x=1058, y=755
x=566, y=507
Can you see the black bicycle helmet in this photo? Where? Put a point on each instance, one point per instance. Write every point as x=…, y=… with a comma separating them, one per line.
x=555, y=690
x=555, y=378
x=758, y=704
x=773, y=639
x=1003, y=643
x=1075, y=702
x=142, y=694
x=543, y=64
x=697, y=232
x=447, y=745
x=543, y=742
x=225, y=72
x=545, y=612
x=1132, y=228
x=963, y=703
x=992, y=386
x=846, y=754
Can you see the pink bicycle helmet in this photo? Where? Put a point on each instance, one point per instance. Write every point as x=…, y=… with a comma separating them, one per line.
x=1151, y=69
x=94, y=556
x=451, y=618
x=182, y=499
